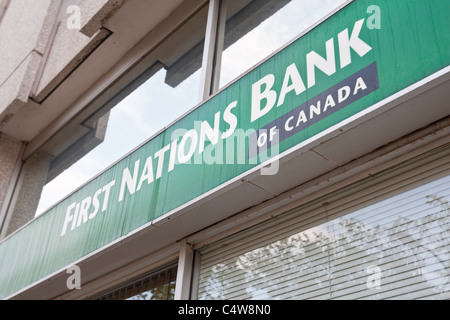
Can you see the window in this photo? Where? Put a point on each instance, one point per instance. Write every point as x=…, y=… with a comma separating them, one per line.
x=386, y=238
x=156, y=286
x=163, y=92
x=171, y=85
x=255, y=29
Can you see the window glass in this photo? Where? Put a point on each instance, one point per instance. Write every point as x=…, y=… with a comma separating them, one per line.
x=172, y=89
x=394, y=249
x=256, y=28
x=158, y=286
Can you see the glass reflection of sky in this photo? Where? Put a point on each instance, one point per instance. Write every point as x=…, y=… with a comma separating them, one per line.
x=155, y=105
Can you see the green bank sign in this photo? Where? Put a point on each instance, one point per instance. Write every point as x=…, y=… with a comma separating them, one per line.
x=351, y=61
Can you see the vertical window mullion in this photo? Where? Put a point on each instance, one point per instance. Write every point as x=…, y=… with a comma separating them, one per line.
x=210, y=50
x=184, y=272
x=220, y=40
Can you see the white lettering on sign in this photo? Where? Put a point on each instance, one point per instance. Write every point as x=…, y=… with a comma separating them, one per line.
x=180, y=152
x=79, y=213
x=207, y=137
x=263, y=92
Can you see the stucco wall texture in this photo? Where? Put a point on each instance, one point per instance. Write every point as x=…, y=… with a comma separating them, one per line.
x=37, y=52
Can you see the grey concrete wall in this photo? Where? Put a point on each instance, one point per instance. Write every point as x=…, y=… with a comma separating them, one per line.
x=25, y=30
x=10, y=161
x=27, y=192
x=69, y=48
x=3, y=5
x=96, y=13
x=37, y=52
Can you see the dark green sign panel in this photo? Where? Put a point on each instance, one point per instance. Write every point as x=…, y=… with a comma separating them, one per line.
x=361, y=55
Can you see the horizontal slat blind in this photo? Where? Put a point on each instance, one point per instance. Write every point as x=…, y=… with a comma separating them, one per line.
x=386, y=238
x=157, y=286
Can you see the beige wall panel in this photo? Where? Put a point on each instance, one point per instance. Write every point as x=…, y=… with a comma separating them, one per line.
x=26, y=198
x=14, y=92
x=26, y=26
x=69, y=49
x=96, y=13
x=9, y=158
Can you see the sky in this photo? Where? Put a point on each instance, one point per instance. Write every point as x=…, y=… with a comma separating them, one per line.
x=155, y=105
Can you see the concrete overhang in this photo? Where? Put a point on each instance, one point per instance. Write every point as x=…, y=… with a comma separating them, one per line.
x=63, y=112
x=408, y=123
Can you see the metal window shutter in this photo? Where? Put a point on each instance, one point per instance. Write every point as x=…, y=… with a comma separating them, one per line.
x=397, y=221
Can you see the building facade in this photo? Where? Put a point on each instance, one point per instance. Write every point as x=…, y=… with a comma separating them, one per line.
x=279, y=149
